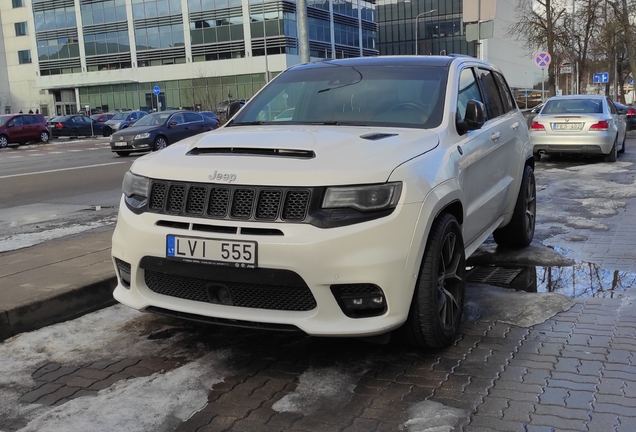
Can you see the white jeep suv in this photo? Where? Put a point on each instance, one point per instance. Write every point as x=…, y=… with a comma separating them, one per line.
x=341, y=200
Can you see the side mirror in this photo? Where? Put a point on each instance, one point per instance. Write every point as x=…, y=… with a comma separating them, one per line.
x=474, y=119
x=622, y=111
x=233, y=109
x=172, y=123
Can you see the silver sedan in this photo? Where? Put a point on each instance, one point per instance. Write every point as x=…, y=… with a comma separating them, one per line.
x=578, y=124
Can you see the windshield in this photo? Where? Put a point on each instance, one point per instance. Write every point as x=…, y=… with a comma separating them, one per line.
x=573, y=106
x=327, y=93
x=153, y=119
x=4, y=119
x=120, y=116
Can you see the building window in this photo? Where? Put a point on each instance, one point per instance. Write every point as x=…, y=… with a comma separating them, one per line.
x=24, y=56
x=18, y=3
x=21, y=29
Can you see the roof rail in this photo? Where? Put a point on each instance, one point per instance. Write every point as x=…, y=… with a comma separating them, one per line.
x=460, y=55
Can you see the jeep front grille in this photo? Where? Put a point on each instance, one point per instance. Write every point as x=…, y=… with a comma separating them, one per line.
x=255, y=203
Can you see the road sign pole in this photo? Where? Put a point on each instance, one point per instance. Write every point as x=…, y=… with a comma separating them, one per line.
x=542, y=85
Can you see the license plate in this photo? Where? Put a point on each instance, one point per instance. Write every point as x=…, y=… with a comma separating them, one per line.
x=121, y=144
x=212, y=251
x=567, y=126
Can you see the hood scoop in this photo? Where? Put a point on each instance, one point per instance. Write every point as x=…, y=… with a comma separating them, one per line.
x=377, y=136
x=253, y=151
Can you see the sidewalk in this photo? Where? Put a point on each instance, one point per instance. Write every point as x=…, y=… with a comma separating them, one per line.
x=55, y=281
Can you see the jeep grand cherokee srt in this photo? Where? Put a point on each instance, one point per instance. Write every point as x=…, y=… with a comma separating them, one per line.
x=349, y=215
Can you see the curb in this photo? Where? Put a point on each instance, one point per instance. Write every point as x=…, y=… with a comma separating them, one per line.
x=63, y=307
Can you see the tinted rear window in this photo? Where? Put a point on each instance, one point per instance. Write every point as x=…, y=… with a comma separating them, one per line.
x=573, y=106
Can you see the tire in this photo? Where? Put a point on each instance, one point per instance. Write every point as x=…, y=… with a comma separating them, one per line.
x=107, y=132
x=4, y=143
x=613, y=154
x=44, y=137
x=622, y=150
x=438, y=301
x=74, y=133
x=160, y=143
x=123, y=154
x=520, y=231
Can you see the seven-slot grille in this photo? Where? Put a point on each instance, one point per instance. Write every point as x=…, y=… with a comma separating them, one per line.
x=257, y=203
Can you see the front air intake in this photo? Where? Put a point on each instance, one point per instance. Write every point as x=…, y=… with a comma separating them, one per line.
x=253, y=151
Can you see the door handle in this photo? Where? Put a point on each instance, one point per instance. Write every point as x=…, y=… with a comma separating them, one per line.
x=515, y=125
x=495, y=136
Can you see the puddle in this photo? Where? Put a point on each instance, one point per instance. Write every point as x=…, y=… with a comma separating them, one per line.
x=580, y=280
x=541, y=269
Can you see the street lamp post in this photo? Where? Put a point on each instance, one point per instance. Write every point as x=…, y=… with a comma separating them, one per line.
x=416, y=25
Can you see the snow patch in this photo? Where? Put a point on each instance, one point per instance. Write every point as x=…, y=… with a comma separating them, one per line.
x=429, y=416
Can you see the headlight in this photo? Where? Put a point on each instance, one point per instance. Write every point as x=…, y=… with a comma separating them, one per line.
x=363, y=198
x=135, y=188
x=142, y=136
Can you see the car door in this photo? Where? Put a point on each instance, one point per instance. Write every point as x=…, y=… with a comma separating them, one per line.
x=177, y=129
x=195, y=124
x=484, y=167
x=15, y=130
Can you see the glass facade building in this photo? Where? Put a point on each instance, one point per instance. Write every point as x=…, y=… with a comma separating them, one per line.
x=434, y=26
x=87, y=37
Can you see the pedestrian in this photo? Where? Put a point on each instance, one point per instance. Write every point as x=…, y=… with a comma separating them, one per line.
x=37, y=111
x=30, y=111
x=20, y=112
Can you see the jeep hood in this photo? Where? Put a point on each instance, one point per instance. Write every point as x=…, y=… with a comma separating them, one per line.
x=289, y=155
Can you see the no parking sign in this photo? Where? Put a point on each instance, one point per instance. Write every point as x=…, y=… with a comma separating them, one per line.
x=542, y=60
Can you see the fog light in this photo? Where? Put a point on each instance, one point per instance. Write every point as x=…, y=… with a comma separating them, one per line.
x=360, y=300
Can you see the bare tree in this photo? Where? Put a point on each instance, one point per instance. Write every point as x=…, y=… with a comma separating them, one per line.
x=204, y=95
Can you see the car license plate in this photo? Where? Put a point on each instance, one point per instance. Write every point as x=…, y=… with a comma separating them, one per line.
x=212, y=251
x=567, y=126
x=121, y=144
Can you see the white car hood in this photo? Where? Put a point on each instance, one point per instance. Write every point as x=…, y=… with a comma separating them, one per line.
x=341, y=155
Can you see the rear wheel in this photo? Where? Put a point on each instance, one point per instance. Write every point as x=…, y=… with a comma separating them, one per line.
x=123, y=154
x=612, y=155
x=160, y=143
x=44, y=137
x=3, y=141
x=520, y=231
x=74, y=133
x=438, y=301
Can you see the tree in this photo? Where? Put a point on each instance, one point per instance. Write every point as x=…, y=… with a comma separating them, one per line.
x=542, y=26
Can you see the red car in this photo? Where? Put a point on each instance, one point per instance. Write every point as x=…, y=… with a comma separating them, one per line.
x=102, y=118
x=22, y=128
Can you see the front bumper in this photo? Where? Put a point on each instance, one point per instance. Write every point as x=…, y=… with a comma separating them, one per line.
x=129, y=143
x=380, y=252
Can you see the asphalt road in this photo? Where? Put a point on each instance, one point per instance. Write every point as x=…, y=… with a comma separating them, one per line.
x=47, y=186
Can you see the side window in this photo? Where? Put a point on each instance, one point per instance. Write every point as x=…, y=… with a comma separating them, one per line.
x=17, y=121
x=27, y=120
x=192, y=117
x=493, y=99
x=177, y=118
x=508, y=102
x=612, y=107
x=468, y=89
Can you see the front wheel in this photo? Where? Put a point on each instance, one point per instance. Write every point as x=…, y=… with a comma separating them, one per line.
x=438, y=301
x=4, y=142
x=107, y=131
x=520, y=231
x=160, y=143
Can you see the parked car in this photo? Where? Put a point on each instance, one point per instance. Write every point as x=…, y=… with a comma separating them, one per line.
x=627, y=113
x=77, y=125
x=124, y=119
x=212, y=116
x=102, y=118
x=579, y=124
x=158, y=130
x=22, y=128
x=352, y=218
x=531, y=113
